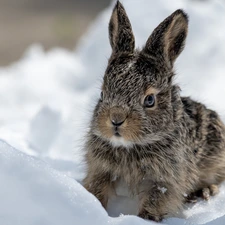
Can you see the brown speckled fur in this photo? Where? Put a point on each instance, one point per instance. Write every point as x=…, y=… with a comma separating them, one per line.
x=178, y=145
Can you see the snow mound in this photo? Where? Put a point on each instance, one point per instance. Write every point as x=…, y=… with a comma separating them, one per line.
x=46, y=100
x=33, y=193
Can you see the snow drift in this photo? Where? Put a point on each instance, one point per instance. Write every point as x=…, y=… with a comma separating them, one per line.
x=46, y=101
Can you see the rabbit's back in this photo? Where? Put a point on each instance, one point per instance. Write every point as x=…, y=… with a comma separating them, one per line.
x=207, y=133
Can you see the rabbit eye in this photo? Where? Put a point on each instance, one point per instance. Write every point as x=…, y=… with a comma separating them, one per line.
x=101, y=96
x=149, y=101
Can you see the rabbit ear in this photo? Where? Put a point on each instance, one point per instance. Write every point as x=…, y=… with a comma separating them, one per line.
x=168, y=39
x=120, y=31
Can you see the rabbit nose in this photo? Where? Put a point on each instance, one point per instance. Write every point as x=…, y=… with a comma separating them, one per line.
x=117, y=116
x=116, y=123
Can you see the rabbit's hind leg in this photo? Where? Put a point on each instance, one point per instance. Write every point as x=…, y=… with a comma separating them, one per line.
x=203, y=193
x=211, y=190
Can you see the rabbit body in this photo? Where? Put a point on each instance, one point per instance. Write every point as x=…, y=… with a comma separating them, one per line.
x=161, y=145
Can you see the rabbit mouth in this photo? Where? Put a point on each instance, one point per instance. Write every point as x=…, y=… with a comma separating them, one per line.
x=118, y=140
x=117, y=134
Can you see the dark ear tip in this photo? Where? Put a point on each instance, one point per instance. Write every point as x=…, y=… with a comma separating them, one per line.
x=182, y=13
x=118, y=5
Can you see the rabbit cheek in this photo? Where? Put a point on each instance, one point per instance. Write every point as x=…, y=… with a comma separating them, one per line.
x=104, y=126
x=131, y=129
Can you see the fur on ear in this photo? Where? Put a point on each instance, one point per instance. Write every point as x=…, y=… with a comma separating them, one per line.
x=120, y=31
x=168, y=39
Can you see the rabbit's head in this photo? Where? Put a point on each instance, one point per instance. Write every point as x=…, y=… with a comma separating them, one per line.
x=138, y=103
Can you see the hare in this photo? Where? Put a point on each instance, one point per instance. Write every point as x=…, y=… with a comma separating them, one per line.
x=166, y=148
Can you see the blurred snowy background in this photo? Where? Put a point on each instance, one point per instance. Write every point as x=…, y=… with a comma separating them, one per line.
x=49, y=22
x=47, y=96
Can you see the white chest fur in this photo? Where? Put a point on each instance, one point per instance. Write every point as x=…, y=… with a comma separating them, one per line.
x=122, y=201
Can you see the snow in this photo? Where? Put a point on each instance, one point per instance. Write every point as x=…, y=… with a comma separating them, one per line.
x=46, y=100
x=162, y=189
x=34, y=193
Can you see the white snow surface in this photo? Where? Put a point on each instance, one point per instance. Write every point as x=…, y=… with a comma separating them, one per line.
x=46, y=100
